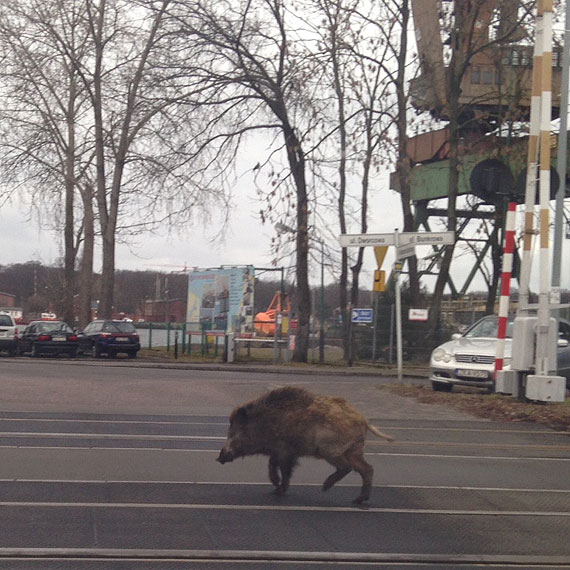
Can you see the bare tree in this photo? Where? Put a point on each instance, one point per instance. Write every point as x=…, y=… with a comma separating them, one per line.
x=95, y=86
x=43, y=109
x=356, y=120
x=257, y=80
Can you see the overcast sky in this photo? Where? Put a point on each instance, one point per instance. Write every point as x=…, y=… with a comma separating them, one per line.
x=246, y=241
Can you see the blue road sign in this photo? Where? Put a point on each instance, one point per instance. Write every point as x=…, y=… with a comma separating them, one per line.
x=362, y=315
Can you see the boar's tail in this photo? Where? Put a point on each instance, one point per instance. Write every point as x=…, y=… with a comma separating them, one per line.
x=379, y=433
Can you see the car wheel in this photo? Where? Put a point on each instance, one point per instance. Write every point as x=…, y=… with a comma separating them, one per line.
x=95, y=351
x=111, y=354
x=72, y=354
x=132, y=354
x=441, y=386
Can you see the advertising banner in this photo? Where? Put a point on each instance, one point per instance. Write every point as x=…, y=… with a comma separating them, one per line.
x=221, y=299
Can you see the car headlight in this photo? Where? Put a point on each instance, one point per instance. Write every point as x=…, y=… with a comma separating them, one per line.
x=441, y=355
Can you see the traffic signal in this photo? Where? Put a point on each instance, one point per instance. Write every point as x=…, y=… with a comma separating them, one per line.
x=379, y=281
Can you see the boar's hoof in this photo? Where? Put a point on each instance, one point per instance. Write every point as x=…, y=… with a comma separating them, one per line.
x=361, y=499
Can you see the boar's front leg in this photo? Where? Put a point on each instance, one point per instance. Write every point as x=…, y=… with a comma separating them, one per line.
x=286, y=466
x=273, y=473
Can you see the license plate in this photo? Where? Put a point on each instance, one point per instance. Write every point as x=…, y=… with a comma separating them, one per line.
x=59, y=338
x=122, y=339
x=3, y=334
x=469, y=373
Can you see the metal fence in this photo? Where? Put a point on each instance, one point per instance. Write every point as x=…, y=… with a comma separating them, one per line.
x=184, y=338
x=374, y=342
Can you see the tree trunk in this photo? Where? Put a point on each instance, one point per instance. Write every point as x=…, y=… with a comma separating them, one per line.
x=455, y=72
x=86, y=267
x=404, y=167
x=69, y=231
x=297, y=164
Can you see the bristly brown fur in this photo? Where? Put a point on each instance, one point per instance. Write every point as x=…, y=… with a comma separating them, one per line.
x=290, y=422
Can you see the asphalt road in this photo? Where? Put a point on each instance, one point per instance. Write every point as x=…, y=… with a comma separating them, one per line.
x=112, y=466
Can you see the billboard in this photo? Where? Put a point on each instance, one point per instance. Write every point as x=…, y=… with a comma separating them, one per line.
x=221, y=299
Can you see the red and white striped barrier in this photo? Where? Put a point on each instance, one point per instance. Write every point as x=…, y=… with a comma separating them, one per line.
x=506, y=275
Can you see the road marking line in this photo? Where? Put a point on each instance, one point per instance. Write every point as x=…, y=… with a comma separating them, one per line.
x=545, y=431
x=44, y=435
x=265, y=484
x=477, y=457
x=523, y=561
x=476, y=445
x=107, y=422
x=301, y=508
x=370, y=454
x=158, y=437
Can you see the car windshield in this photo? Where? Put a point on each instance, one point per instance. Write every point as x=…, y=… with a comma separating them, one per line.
x=119, y=326
x=5, y=321
x=54, y=326
x=487, y=328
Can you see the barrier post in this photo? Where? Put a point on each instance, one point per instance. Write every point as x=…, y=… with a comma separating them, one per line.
x=506, y=275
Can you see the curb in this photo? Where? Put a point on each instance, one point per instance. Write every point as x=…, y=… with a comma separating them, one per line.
x=252, y=368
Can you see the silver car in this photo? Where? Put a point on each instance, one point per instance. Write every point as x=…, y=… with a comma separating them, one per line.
x=469, y=358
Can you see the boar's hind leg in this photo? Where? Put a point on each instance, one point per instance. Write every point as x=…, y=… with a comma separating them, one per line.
x=359, y=464
x=343, y=468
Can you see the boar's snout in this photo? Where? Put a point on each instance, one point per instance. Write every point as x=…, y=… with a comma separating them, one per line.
x=225, y=456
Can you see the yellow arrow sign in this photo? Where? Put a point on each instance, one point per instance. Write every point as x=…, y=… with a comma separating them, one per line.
x=380, y=253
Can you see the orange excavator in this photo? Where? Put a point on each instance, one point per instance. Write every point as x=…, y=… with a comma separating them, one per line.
x=265, y=321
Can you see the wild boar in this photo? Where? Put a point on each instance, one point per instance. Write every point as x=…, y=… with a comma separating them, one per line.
x=288, y=423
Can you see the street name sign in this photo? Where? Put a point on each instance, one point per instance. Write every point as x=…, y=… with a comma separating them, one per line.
x=405, y=250
x=405, y=243
x=362, y=315
x=363, y=240
x=404, y=238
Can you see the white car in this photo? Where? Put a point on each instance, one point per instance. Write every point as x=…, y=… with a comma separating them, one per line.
x=469, y=358
x=8, y=333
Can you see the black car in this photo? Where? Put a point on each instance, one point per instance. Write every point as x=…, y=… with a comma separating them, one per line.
x=48, y=337
x=109, y=337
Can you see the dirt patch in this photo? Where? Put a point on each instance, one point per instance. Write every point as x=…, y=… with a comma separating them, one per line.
x=490, y=406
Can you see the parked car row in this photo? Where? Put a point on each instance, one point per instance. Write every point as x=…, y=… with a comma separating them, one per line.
x=109, y=337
